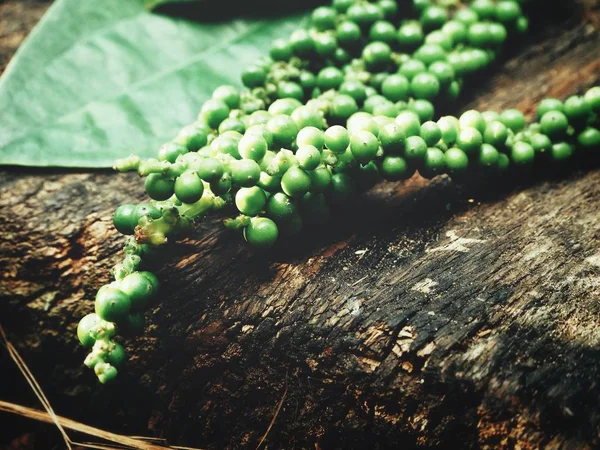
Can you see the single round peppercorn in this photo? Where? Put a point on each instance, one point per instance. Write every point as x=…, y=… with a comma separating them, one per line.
x=394, y=168
x=139, y=288
x=592, y=96
x=396, y=87
x=507, y=11
x=415, y=150
x=449, y=128
x=469, y=140
x=283, y=128
x=308, y=157
x=159, y=187
x=280, y=207
x=112, y=304
x=431, y=133
x=377, y=54
x=409, y=123
x=125, y=218
x=383, y=31
x=522, y=154
x=425, y=85
x=554, y=124
x=589, y=138
x=364, y=146
x=85, y=328
x=540, y=143
x=261, y=232
x=577, y=110
x=214, y=112
x=245, y=172
x=561, y=151
x=430, y=53
x=412, y=68
x=250, y=201
x=323, y=18
x=189, y=187
x=443, y=71
x=495, y=134
x=513, y=119
x=147, y=210
x=488, y=156
x=252, y=146
x=348, y=33
x=434, y=17
x=337, y=139
x=171, y=151
x=392, y=138
x=280, y=50
x=457, y=160
x=435, y=163
x=423, y=109
x=342, y=107
x=547, y=105
x=301, y=43
x=410, y=36
x=295, y=182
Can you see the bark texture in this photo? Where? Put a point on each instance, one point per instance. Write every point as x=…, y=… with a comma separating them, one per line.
x=429, y=316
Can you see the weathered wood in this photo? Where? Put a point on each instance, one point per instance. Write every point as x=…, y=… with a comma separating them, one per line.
x=431, y=315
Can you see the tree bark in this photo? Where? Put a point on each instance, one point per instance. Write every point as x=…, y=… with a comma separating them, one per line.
x=431, y=315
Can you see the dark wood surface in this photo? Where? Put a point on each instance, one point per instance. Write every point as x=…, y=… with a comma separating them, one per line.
x=431, y=315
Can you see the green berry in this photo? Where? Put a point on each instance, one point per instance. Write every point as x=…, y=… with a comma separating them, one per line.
x=254, y=76
x=280, y=50
x=253, y=147
x=507, y=11
x=341, y=188
x=139, y=288
x=214, y=112
x=112, y=304
x=295, y=182
x=337, y=139
x=425, y=85
x=513, y=119
x=412, y=68
x=392, y=138
x=308, y=157
x=434, y=164
x=245, y=172
x=472, y=119
x=415, y=150
x=171, y=151
x=577, y=110
x=547, y=105
x=86, y=325
x=364, y=146
x=554, y=124
x=443, y=71
x=377, y=54
x=457, y=160
x=348, y=33
x=221, y=186
x=342, y=107
x=589, y=138
x=593, y=98
x=434, y=17
x=284, y=130
x=423, y=108
x=383, y=31
x=320, y=179
x=430, y=53
x=396, y=87
x=449, y=126
x=261, y=232
x=409, y=123
x=189, y=187
x=395, y=168
x=522, y=154
x=354, y=89
x=431, y=133
x=329, y=78
x=159, y=187
x=193, y=137
x=469, y=140
x=495, y=134
x=125, y=219
x=323, y=18
x=280, y=207
x=540, y=143
x=229, y=95
x=488, y=156
x=250, y=201
x=561, y=151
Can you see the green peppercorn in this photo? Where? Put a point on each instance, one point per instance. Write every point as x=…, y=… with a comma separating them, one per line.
x=554, y=124
x=189, y=187
x=125, y=219
x=457, y=161
x=85, y=329
x=261, y=232
x=337, y=139
x=522, y=154
x=158, y=187
x=469, y=140
x=295, y=182
x=425, y=86
x=112, y=304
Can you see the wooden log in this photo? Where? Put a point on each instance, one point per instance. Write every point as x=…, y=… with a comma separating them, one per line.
x=429, y=316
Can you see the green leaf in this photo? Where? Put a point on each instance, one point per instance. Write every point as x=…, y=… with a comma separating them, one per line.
x=98, y=80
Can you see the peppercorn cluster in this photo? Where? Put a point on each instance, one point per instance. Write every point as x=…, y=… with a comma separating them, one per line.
x=332, y=111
